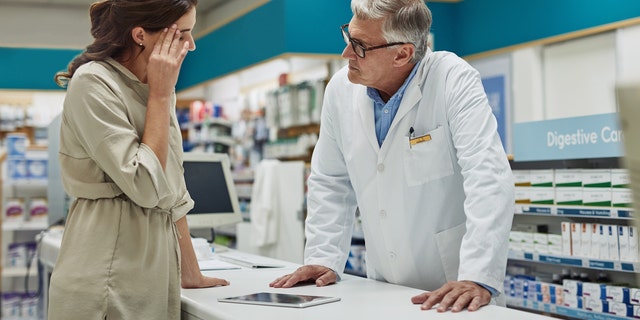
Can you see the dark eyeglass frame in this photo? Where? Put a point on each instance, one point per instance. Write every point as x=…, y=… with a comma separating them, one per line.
x=347, y=39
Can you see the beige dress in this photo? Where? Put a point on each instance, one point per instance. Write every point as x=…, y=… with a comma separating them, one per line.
x=120, y=257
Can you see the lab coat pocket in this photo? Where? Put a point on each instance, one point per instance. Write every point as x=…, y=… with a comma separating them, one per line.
x=448, y=243
x=428, y=160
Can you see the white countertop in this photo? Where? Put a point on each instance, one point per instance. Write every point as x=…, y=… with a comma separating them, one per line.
x=360, y=298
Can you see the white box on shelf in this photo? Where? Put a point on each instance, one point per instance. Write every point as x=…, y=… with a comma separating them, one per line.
x=522, y=195
x=594, y=290
x=618, y=294
x=568, y=196
x=634, y=296
x=595, y=241
x=596, y=197
x=522, y=178
x=572, y=301
x=566, y=238
x=623, y=243
x=620, y=178
x=596, y=178
x=614, y=246
x=621, y=197
x=633, y=244
x=572, y=287
x=620, y=309
x=576, y=242
x=603, y=239
x=564, y=178
x=542, y=178
x=585, y=239
x=542, y=195
x=595, y=305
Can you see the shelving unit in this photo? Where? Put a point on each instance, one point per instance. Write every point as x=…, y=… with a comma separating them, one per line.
x=622, y=273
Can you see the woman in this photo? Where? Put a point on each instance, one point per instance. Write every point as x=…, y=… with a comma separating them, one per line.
x=126, y=247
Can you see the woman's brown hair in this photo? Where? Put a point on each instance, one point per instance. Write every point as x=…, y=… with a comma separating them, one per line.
x=111, y=25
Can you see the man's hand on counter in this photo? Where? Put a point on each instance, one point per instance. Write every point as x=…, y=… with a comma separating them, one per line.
x=321, y=275
x=454, y=295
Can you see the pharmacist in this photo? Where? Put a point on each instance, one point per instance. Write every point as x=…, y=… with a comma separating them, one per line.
x=408, y=137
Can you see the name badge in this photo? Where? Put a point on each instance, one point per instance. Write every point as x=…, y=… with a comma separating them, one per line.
x=420, y=139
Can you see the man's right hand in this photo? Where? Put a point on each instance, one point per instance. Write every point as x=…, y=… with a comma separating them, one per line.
x=321, y=275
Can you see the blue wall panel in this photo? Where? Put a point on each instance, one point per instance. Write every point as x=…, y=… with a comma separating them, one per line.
x=295, y=26
x=491, y=24
x=254, y=37
x=29, y=69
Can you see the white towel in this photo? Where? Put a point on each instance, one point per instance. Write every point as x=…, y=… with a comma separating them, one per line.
x=264, y=203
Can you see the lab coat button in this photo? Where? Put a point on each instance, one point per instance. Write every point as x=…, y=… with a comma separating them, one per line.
x=392, y=255
x=380, y=167
x=383, y=213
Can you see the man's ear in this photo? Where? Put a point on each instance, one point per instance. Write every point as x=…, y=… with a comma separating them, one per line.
x=404, y=55
x=138, y=34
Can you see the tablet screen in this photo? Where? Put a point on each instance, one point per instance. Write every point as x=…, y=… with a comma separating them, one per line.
x=280, y=299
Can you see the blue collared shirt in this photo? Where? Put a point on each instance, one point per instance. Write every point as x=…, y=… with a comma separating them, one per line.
x=385, y=112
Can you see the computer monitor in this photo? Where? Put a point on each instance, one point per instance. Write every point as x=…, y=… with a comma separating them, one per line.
x=210, y=184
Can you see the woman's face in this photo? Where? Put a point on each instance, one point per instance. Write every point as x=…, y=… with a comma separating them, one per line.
x=185, y=25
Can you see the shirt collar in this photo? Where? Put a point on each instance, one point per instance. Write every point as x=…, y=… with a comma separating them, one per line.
x=375, y=95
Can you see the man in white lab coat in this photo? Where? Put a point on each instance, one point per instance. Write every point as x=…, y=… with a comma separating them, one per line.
x=408, y=137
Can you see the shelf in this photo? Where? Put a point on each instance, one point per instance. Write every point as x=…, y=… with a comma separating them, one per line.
x=574, y=211
x=560, y=310
x=621, y=266
x=222, y=140
x=213, y=122
x=24, y=226
x=19, y=271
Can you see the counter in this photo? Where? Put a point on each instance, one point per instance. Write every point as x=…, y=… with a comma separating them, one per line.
x=361, y=298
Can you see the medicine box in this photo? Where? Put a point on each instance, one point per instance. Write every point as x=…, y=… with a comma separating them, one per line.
x=620, y=178
x=595, y=305
x=596, y=178
x=600, y=197
x=16, y=144
x=522, y=194
x=568, y=196
x=571, y=178
x=621, y=197
x=566, y=238
x=594, y=290
x=618, y=294
x=620, y=309
x=634, y=296
x=542, y=178
x=542, y=195
x=572, y=287
x=522, y=178
x=572, y=301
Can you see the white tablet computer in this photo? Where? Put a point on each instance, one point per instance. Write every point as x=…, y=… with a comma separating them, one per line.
x=280, y=299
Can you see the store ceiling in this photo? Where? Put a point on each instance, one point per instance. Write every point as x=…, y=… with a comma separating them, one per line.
x=203, y=5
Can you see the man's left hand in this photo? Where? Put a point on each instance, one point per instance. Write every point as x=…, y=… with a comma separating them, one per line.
x=456, y=295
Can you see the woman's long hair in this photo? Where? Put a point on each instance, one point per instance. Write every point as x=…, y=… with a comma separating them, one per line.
x=111, y=25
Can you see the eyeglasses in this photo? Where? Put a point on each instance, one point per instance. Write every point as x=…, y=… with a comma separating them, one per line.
x=358, y=47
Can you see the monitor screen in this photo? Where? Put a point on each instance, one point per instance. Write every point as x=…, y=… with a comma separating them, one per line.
x=210, y=184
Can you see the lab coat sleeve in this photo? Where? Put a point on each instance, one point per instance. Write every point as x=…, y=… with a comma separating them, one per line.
x=488, y=181
x=98, y=119
x=331, y=203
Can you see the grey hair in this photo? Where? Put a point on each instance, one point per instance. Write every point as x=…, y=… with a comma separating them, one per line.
x=404, y=21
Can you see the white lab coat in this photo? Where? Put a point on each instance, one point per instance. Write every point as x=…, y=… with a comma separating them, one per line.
x=440, y=210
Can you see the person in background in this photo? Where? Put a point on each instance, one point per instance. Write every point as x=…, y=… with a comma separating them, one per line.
x=126, y=249
x=408, y=137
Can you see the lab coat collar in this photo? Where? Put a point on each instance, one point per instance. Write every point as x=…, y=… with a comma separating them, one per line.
x=412, y=96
